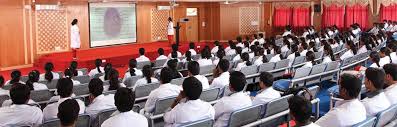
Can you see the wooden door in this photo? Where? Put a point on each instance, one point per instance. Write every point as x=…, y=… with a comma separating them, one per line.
x=192, y=29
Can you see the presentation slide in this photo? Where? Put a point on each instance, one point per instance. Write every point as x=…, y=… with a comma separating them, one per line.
x=112, y=24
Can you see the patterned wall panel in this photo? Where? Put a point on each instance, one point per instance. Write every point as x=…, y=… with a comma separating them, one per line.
x=159, y=22
x=249, y=20
x=51, y=31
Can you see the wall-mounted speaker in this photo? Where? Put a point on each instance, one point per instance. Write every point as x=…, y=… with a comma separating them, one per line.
x=317, y=8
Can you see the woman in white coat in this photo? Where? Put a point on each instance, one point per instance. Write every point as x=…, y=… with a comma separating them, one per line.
x=74, y=38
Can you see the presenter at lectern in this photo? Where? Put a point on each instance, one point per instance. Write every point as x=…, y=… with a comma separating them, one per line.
x=74, y=38
x=170, y=30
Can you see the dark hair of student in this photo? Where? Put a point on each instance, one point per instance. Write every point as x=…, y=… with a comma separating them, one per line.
x=1, y=81
x=328, y=50
x=351, y=84
x=304, y=46
x=160, y=51
x=65, y=87
x=386, y=51
x=266, y=78
x=311, y=57
x=132, y=64
x=68, y=73
x=124, y=99
x=48, y=67
x=188, y=56
x=74, y=22
x=220, y=54
x=141, y=51
x=174, y=47
x=174, y=54
x=68, y=112
x=352, y=47
x=98, y=63
x=173, y=64
x=312, y=45
x=147, y=73
x=246, y=44
x=108, y=68
x=205, y=54
x=114, y=80
x=33, y=77
x=73, y=68
x=237, y=81
x=191, y=45
x=169, y=19
x=216, y=43
x=15, y=76
x=246, y=57
x=95, y=87
x=376, y=76
x=192, y=88
x=19, y=93
x=166, y=75
x=294, y=49
x=300, y=108
x=392, y=47
x=391, y=69
x=261, y=35
x=375, y=57
x=264, y=59
x=286, y=42
x=193, y=67
x=277, y=50
x=239, y=50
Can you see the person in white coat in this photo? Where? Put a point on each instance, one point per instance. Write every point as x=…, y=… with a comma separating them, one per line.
x=221, y=75
x=267, y=93
x=376, y=100
x=68, y=113
x=391, y=82
x=98, y=101
x=142, y=56
x=193, y=68
x=300, y=110
x=98, y=69
x=74, y=38
x=170, y=31
x=33, y=78
x=188, y=107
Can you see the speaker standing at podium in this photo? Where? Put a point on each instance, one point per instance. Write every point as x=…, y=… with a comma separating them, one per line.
x=170, y=30
x=74, y=38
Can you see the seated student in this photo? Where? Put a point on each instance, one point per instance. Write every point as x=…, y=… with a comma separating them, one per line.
x=49, y=75
x=303, y=49
x=205, y=58
x=231, y=50
x=267, y=93
x=19, y=113
x=64, y=90
x=391, y=82
x=294, y=53
x=254, y=39
x=261, y=39
x=3, y=91
x=107, y=69
x=221, y=74
x=124, y=99
x=215, y=49
x=277, y=57
x=161, y=56
x=238, y=56
x=114, y=82
x=166, y=89
x=98, y=68
x=188, y=57
x=73, y=67
x=376, y=99
x=351, y=50
x=310, y=57
x=245, y=62
x=385, y=56
x=193, y=68
x=175, y=49
x=246, y=47
x=173, y=66
x=98, y=101
x=191, y=49
x=147, y=77
x=328, y=54
x=69, y=75
x=132, y=70
x=142, y=56
x=33, y=81
x=239, y=42
x=261, y=59
x=300, y=111
x=68, y=112
x=219, y=55
x=348, y=112
x=188, y=107
x=364, y=46
x=287, y=30
x=393, y=54
x=237, y=100
x=286, y=46
x=374, y=57
x=15, y=78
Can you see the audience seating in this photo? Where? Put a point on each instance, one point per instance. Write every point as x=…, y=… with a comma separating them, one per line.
x=386, y=116
x=249, y=70
x=160, y=107
x=204, y=70
x=316, y=69
x=98, y=75
x=369, y=122
x=84, y=70
x=3, y=98
x=81, y=89
x=140, y=65
x=130, y=81
x=83, y=121
x=245, y=116
x=82, y=79
x=41, y=96
x=178, y=81
x=142, y=92
x=296, y=80
x=104, y=115
x=298, y=61
x=200, y=123
x=159, y=63
x=280, y=68
x=210, y=95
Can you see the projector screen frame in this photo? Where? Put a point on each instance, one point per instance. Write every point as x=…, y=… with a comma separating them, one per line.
x=117, y=2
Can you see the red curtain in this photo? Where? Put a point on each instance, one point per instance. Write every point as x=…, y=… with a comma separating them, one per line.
x=388, y=12
x=333, y=15
x=282, y=17
x=357, y=14
x=301, y=17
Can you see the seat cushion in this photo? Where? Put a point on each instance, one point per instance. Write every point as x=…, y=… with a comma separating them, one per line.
x=282, y=85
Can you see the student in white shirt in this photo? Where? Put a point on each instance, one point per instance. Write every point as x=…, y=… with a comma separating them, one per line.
x=215, y=49
x=231, y=50
x=221, y=74
x=328, y=54
x=175, y=49
x=68, y=112
x=261, y=39
x=132, y=70
x=107, y=69
x=142, y=56
x=20, y=114
x=49, y=75
x=98, y=101
x=219, y=55
x=170, y=31
x=364, y=47
x=393, y=54
x=286, y=46
x=73, y=67
x=124, y=99
x=245, y=62
x=205, y=58
x=351, y=50
x=15, y=78
x=166, y=89
x=277, y=57
x=98, y=68
x=261, y=60
x=69, y=75
x=188, y=57
x=294, y=53
x=255, y=39
x=193, y=68
x=191, y=48
x=310, y=57
x=187, y=107
x=114, y=82
x=3, y=91
x=238, y=56
x=300, y=110
x=348, y=112
x=391, y=82
x=385, y=56
x=161, y=56
x=173, y=66
x=287, y=31
x=267, y=93
x=33, y=81
x=376, y=100
x=303, y=49
x=374, y=57
x=147, y=77
x=65, y=91
x=229, y=103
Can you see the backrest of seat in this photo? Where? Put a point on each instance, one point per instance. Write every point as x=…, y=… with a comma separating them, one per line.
x=160, y=63
x=140, y=65
x=104, y=115
x=24, y=78
x=266, y=67
x=318, y=55
x=282, y=64
x=245, y=116
x=143, y=91
x=386, y=116
x=277, y=105
x=313, y=91
x=4, y=98
x=98, y=75
x=7, y=86
x=269, y=56
x=302, y=72
x=82, y=79
x=249, y=70
x=200, y=123
x=331, y=66
x=369, y=122
x=178, y=81
x=40, y=95
x=130, y=81
x=84, y=70
x=347, y=61
x=206, y=69
x=83, y=121
x=209, y=95
x=52, y=84
x=319, y=68
x=81, y=89
x=163, y=104
x=196, y=57
x=299, y=60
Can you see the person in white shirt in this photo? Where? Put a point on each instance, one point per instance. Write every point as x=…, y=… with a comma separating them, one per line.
x=229, y=103
x=147, y=77
x=219, y=55
x=98, y=68
x=191, y=48
x=142, y=56
x=376, y=100
x=74, y=38
x=261, y=60
x=49, y=75
x=277, y=57
x=175, y=49
x=114, y=82
x=300, y=110
x=170, y=31
x=286, y=46
x=305, y=32
x=294, y=53
x=64, y=90
x=393, y=54
x=166, y=89
x=19, y=113
x=287, y=31
x=328, y=54
x=98, y=101
x=73, y=67
x=267, y=93
x=33, y=81
x=374, y=57
x=132, y=70
x=221, y=74
x=351, y=50
x=303, y=49
x=193, y=68
x=385, y=56
x=261, y=39
x=205, y=58
x=245, y=62
x=3, y=91
x=161, y=56
x=188, y=107
x=68, y=112
x=310, y=60
x=364, y=47
x=124, y=99
x=231, y=50
x=69, y=75
x=15, y=78
x=391, y=82
x=348, y=112
x=238, y=56
x=215, y=49
x=255, y=39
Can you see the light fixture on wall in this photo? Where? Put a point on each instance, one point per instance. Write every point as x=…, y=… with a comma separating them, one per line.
x=229, y=2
